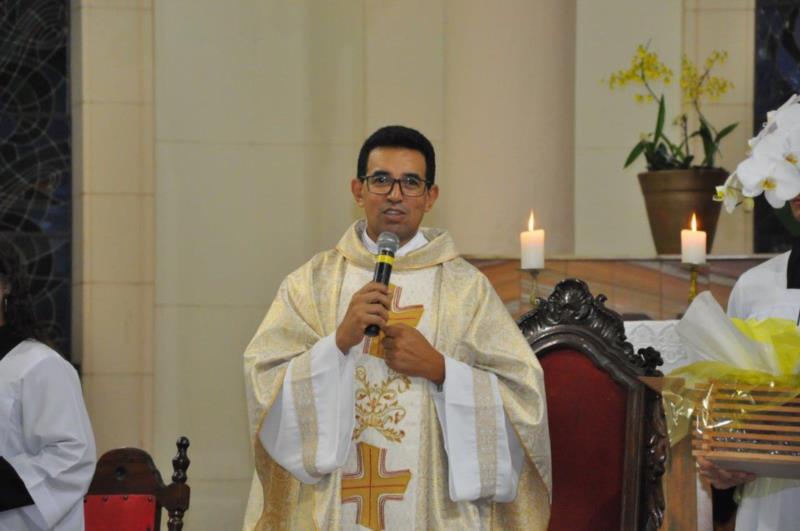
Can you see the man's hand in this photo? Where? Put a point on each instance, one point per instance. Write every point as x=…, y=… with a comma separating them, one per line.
x=369, y=305
x=407, y=351
x=722, y=478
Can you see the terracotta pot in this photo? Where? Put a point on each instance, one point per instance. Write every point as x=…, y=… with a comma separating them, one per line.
x=671, y=196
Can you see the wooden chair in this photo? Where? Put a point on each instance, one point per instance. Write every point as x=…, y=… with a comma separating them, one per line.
x=127, y=492
x=607, y=429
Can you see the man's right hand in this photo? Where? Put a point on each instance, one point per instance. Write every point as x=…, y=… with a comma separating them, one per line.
x=369, y=305
x=722, y=478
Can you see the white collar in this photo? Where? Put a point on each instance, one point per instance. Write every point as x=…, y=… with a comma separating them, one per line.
x=413, y=244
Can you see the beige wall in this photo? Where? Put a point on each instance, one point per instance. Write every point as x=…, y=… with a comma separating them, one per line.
x=610, y=218
x=509, y=123
x=256, y=129
x=113, y=201
x=727, y=25
x=491, y=84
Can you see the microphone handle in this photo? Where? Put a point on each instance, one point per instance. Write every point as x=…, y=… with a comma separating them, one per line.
x=383, y=270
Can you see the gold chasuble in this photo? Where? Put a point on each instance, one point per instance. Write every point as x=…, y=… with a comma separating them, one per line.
x=396, y=474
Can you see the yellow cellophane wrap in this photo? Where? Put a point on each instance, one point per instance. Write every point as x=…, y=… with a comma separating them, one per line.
x=473, y=327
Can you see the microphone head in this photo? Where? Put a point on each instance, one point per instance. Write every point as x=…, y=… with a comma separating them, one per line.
x=388, y=241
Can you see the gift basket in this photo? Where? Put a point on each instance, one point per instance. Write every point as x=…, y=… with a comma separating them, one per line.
x=740, y=399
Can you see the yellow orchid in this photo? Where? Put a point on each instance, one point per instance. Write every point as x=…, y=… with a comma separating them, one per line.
x=645, y=70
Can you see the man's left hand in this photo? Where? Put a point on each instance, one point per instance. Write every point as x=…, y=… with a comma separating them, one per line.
x=407, y=351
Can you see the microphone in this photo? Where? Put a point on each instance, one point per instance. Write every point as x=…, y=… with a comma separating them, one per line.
x=387, y=246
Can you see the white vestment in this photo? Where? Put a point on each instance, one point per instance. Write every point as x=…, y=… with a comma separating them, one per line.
x=350, y=393
x=46, y=437
x=768, y=504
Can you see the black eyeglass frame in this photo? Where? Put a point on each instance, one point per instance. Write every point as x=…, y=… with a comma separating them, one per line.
x=398, y=182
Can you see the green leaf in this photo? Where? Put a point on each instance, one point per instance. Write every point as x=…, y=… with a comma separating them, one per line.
x=635, y=152
x=725, y=132
x=660, y=119
x=709, y=146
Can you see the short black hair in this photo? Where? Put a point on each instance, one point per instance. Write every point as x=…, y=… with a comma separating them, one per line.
x=398, y=136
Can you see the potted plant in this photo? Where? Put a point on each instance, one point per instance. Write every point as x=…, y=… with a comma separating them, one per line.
x=676, y=183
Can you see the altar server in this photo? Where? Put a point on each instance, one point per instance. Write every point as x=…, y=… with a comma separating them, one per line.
x=47, y=451
x=771, y=289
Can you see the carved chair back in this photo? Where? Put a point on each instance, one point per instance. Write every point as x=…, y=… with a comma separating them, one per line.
x=607, y=429
x=127, y=492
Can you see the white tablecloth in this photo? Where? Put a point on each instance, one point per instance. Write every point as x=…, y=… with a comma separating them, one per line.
x=663, y=336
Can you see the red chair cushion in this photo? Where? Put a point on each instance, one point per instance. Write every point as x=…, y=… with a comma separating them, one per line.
x=586, y=412
x=117, y=512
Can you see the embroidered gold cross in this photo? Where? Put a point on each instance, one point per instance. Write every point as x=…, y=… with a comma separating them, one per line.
x=410, y=315
x=371, y=486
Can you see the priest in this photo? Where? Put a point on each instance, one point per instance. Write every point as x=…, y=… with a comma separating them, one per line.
x=438, y=422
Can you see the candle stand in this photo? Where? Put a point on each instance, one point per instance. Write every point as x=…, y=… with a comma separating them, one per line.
x=534, y=287
x=694, y=269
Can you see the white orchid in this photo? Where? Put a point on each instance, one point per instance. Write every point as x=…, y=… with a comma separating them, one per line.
x=779, y=121
x=773, y=166
x=784, y=144
x=774, y=176
x=730, y=195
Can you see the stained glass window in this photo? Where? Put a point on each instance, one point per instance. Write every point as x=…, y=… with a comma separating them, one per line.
x=35, y=173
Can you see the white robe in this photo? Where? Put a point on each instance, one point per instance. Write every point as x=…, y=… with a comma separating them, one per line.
x=46, y=437
x=334, y=389
x=761, y=293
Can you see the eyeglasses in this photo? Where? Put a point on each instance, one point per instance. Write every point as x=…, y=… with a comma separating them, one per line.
x=383, y=184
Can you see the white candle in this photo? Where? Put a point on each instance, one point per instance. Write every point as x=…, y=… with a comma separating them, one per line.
x=532, y=244
x=693, y=244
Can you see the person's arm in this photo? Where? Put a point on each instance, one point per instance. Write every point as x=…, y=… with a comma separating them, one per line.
x=14, y=494
x=484, y=454
x=309, y=427
x=59, y=462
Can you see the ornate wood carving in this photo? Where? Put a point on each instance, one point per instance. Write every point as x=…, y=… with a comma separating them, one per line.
x=572, y=318
x=176, y=495
x=655, y=461
x=572, y=305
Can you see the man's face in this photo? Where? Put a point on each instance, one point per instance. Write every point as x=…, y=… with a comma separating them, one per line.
x=795, y=204
x=396, y=212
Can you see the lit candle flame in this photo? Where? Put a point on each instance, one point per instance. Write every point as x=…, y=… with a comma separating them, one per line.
x=694, y=222
x=530, y=222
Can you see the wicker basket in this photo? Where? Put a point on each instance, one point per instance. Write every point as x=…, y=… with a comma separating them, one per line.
x=756, y=431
